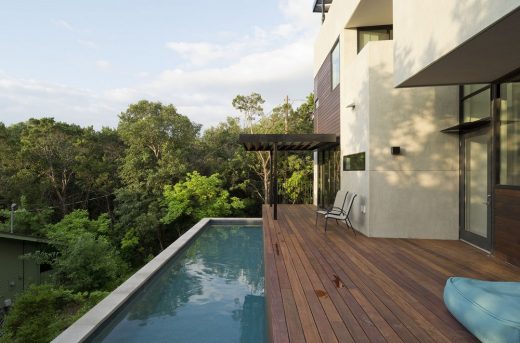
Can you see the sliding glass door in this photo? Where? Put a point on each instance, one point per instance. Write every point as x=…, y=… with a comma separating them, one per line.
x=477, y=198
x=328, y=176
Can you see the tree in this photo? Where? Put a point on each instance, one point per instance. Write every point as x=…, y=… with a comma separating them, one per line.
x=162, y=146
x=159, y=144
x=85, y=259
x=48, y=149
x=250, y=106
x=196, y=198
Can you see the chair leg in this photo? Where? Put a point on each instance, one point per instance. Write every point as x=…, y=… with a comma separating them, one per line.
x=347, y=221
x=326, y=220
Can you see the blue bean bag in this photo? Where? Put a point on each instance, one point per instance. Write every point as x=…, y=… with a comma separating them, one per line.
x=489, y=310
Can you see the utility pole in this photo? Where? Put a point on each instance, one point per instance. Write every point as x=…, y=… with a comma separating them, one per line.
x=286, y=114
x=13, y=207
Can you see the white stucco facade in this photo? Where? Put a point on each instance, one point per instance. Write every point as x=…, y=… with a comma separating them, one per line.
x=415, y=194
x=427, y=30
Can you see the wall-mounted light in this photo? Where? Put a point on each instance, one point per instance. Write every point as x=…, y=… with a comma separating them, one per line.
x=395, y=150
x=352, y=106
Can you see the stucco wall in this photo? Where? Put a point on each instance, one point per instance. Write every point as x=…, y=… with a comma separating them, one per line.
x=355, y=127
x=426, y=30
x=415, y=194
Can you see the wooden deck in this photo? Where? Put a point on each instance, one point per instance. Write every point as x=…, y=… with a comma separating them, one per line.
x=337, y=287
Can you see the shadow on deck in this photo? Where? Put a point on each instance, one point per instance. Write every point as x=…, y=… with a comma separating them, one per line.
x=337, y=287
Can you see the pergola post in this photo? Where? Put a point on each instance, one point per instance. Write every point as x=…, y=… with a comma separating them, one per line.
x=275, y=179
x=271, y=178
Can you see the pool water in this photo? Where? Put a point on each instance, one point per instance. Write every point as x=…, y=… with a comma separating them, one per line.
x=212, y=291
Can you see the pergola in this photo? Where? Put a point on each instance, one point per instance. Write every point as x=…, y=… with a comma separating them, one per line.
x=280, y=142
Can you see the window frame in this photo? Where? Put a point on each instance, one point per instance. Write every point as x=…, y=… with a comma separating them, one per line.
x=389, y=28
x=334, y=47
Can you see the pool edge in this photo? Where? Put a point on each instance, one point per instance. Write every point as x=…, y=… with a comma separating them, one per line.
x=86, y=325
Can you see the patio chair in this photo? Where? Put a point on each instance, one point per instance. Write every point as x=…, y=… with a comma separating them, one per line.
x=337, y=207
x=344, y=214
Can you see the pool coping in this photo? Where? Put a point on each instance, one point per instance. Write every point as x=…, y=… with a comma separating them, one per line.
x=85, y=326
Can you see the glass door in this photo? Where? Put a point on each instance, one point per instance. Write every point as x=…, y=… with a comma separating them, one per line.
x=328, y=176
x=476, y=207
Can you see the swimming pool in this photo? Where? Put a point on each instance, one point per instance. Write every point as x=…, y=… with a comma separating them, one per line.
x=211, y=290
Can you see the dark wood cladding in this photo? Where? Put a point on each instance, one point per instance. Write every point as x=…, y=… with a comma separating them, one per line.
x=326, y=117
x=507, y=225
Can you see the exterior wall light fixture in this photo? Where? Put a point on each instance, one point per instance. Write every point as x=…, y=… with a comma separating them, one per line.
x=352, y=106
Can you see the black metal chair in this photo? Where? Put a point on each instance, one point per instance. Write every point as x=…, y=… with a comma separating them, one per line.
x=344, y=213
x=336, y=208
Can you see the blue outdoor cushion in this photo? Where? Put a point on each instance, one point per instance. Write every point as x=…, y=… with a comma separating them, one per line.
x=489, y=310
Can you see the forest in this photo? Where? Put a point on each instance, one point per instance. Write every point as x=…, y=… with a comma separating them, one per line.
x=109, y=200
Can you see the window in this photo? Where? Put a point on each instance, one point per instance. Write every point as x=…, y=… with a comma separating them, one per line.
x=354, y=162
x=373, y=33
x=476, y=102
x=335, y=65
x=509, y=134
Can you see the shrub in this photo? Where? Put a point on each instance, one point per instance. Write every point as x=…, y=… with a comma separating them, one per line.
x=42, y=311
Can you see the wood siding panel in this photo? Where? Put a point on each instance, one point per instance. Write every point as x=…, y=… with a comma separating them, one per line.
x=507, y=225
x=326, y=116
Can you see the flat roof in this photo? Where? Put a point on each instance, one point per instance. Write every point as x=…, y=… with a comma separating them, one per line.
x=287, y=142
x=488, y=57
x=318, y=4
x=18, y=237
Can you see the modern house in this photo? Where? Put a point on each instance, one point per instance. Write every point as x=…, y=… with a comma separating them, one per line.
x=425, y=100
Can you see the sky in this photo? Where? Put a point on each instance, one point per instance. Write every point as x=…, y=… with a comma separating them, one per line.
x=85, y=61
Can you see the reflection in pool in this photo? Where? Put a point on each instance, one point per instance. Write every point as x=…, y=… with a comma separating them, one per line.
x=212, y=291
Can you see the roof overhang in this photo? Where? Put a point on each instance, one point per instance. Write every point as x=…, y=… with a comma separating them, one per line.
x=25, y=238
x=488, y=57
x=289, y=142
x=467, y=127
x=319, y=6
x=371, y=13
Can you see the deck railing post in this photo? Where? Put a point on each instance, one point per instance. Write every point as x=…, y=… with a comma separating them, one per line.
x=271, y=178
x=275, y=179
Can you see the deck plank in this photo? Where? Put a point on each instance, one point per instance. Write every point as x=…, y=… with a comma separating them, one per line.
x=336, y=287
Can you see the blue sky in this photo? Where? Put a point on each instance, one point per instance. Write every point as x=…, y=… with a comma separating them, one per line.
x=85, y=61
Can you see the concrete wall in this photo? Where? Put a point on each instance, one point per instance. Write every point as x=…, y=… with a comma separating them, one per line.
x=355, y=129
x=336, y=19
x=426, y=30
x=415, y=194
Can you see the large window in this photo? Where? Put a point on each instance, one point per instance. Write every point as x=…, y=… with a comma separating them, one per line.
x=373, y=33
x=476, y=102
x=510, y=134
x=335, y=65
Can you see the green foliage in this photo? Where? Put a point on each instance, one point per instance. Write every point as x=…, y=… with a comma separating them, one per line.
x=159, y=144
x=138, y=226
x=130, y=179
x=86, y=261
x=250, y=106
x=300, y=180
x=41, y=312
x=26, y=222
x=199, y=197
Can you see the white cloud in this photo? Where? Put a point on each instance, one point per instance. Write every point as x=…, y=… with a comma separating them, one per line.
x=21, y=99
x=62, y=24
x=103, y=64
x=274, y=61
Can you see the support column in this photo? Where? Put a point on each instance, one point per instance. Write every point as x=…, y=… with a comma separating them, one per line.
x=271, y=178
x=275, y=183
